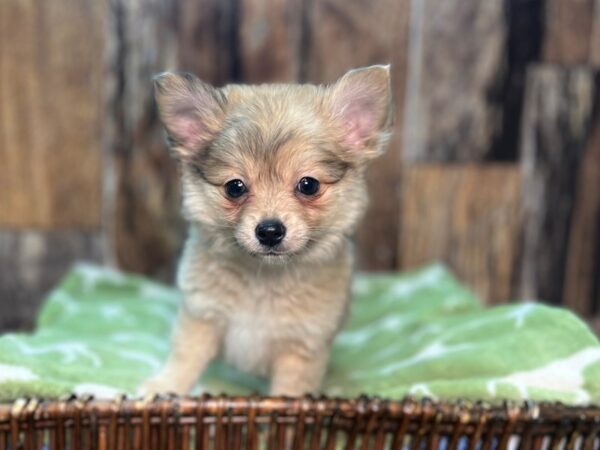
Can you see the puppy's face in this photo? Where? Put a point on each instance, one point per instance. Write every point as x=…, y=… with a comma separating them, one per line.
x=276, y=171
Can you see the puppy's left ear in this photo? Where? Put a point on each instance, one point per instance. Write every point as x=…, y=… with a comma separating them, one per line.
x=191, y=111
x=361, y=103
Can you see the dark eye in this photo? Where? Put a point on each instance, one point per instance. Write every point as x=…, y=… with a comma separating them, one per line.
x=235, y=188
x=308, y=186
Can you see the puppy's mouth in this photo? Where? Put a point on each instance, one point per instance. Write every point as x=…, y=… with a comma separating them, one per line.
x=277, y=253
x=272, y=253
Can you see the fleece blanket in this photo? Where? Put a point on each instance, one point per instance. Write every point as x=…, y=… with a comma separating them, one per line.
x=422, y=333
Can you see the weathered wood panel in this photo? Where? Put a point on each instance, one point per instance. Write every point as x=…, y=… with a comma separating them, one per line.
x=32, y=263
x=581, y=291
x=572, y=37
x=141, y=189
x=457, y=60
x=51, y=73
x=525, y=24
x=207, y=37
x=343, y=35
x=466, y=216
x=568, y=31
x=595, y=39
x=558, y=114
x=271, y=40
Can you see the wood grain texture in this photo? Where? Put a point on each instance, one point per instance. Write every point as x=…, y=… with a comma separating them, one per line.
x=207, y=38
x=141, y=185
x=582, y=272
x=595, y=39
x=271, y=39
x=467, y=216
x=568, y=31
x=33, y=262
x=525, y=25
x=343, y=35
x=51, y=73
x=557, y=120
x=457, y=57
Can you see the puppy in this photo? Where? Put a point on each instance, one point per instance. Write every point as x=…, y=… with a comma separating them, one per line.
x=273, y=182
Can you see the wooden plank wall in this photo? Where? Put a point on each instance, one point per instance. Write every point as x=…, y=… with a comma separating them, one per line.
x=141, y=222
x=467, y=215
x=558, y=121
x=572, y=48
x=85, y=173
x=51, y=80
x=50, y=113
x=506, y=119
x=460, y=185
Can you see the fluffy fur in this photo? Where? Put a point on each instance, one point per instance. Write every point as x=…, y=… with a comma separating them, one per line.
x=275, y=311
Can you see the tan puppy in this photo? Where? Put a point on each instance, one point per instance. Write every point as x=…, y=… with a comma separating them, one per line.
x=273, y=187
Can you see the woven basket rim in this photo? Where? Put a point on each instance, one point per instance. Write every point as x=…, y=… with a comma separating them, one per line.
x=174, y=422
x=463, y=411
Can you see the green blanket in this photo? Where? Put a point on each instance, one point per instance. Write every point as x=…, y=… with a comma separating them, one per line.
x=423, y=333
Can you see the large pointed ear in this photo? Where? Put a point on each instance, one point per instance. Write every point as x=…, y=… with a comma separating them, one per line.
x=361, y=103
x=191, y=111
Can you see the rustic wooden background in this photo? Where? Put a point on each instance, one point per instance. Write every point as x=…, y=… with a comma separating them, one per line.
x=494, y=167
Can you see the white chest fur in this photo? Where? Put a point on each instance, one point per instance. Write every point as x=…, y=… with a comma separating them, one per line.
x=249, y=337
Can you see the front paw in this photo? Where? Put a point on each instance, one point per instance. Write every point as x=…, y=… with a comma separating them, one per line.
x=158, y=384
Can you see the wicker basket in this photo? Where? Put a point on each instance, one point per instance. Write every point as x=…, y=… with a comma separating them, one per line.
x=276, y=423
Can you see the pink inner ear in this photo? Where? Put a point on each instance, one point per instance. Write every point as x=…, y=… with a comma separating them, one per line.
x=360, y=120
x=186, y=126
x=187, y=132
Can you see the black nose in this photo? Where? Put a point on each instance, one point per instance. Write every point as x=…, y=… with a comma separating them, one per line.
x=270, y=232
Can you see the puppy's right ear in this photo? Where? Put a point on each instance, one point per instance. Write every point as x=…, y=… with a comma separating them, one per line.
x=191, y=111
